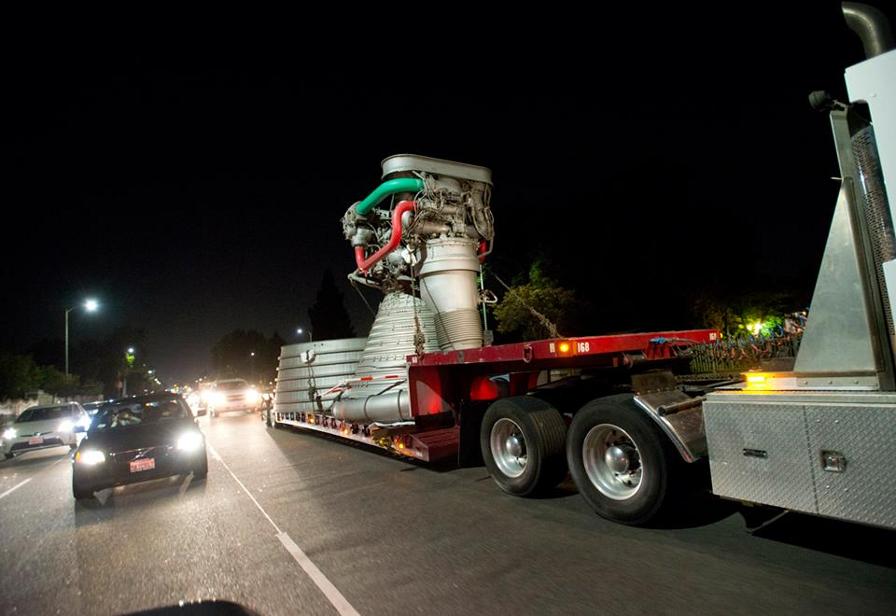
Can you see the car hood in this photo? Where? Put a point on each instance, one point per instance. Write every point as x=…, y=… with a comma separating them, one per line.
x=33, y=427
x=138, y=437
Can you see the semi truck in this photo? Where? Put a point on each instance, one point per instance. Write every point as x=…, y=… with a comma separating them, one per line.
x=612, y=411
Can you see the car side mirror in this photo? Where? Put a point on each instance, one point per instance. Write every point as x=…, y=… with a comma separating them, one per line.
x=80, y=428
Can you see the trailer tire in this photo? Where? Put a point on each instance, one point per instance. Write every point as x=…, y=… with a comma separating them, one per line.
x=621, y=463
x=522, y=441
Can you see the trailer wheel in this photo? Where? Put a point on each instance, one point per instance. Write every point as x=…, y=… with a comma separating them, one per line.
x=619, y=460
x=522, y=441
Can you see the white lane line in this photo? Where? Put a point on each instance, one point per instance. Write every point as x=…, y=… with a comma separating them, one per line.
x=336, y=599
x=16, y=487
x=330, y=592
x=20, y=484
x=186, y=484
x=245, y=489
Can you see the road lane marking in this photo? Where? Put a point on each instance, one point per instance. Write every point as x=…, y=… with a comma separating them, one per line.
x=16, y=487
x=336, y=599
x=20, y=484
x=330, y=592
x=218, y=457
x=186, y=484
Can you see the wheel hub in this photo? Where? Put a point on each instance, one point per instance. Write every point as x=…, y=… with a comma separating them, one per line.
x=508, y=447
x=515, y=446
x=612, y=461
x=617, y=459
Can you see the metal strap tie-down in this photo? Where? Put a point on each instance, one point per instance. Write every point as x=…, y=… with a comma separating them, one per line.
x=677, y=407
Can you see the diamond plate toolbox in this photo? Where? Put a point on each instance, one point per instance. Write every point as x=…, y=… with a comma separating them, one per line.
x=825, y=453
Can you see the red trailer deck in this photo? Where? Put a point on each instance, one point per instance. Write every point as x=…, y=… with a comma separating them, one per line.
x=443, y=385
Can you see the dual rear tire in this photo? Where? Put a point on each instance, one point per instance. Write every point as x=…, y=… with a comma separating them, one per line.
x=622, y=464
x=521, y=439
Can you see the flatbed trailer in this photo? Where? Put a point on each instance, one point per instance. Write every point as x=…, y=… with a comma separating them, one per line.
x=613, y=411
x=451, y=392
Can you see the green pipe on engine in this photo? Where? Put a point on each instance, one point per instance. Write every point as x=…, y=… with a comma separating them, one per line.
x=389, y=187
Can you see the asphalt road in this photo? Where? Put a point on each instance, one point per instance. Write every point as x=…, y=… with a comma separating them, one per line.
x=288, y=523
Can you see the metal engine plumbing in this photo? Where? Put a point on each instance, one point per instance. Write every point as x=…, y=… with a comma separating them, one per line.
x=420, y=238
x=425, y=229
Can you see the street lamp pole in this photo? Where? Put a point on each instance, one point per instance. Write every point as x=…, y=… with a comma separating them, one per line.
x=90, y=305
x=66, y=340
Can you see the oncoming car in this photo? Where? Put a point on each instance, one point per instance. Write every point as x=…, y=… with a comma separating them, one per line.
x=232, y=395
x=138, y=439
x=42, y=427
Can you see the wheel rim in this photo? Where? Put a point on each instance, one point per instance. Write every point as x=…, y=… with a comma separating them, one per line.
x=612, y=461
x=508, y=447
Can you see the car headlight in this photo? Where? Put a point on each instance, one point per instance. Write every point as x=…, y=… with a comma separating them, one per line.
x=9, y=433
x=90, y=457
x=216, y=397
x=251, y=396
x=65, y=425
x=189, y=441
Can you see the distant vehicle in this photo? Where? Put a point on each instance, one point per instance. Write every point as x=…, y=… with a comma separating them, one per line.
x=232, y=395
x=93, y=407
x=267, y=405
x=42, y=427
x=138, y=439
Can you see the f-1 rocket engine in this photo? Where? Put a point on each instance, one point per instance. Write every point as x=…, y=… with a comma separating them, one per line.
x=419, y=238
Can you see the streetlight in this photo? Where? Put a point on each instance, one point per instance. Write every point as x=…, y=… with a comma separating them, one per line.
x=301, y=331
x=129, y=359
x=90, y=305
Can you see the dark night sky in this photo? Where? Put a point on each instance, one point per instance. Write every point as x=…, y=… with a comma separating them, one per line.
x=198, y=189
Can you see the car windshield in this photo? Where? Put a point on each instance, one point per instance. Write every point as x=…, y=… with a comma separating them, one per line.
x=40, y=413
x=232, y=385
x=137, y=412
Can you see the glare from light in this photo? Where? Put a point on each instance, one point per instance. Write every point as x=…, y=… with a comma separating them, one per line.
x=189, y=441
x=216, y=397
x=300, y=331
x=91, y=457
x=131, y=350
x=65, y=425
x=9, y=433
x=755, y=327
x=564, y=347
x=252, y=395
x=91, y=305
x=84, y=422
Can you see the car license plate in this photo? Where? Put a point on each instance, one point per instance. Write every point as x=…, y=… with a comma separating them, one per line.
x=36, y=440
x=143, y=464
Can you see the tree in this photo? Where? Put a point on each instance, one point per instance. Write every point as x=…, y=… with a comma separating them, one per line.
x=18, y=375
x=328, y=316
x=514, y=313
x=748, y=312
x=232, y=355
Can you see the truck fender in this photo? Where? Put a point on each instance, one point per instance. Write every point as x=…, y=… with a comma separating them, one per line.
x=680, y=417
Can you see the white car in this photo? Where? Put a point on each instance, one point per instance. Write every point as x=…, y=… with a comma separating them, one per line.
x=42, y=427
x=232, y=395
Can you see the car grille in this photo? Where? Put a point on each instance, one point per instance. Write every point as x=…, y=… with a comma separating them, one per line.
x=48, y=442
x=133, y=454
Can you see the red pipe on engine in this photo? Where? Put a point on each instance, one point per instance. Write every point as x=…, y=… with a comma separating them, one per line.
x=364, y=265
